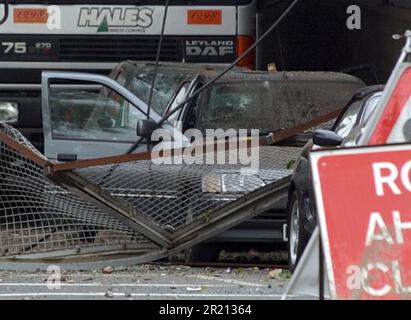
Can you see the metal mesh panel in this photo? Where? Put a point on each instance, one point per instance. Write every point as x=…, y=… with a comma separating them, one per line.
x=38, y=216
x=174, y=196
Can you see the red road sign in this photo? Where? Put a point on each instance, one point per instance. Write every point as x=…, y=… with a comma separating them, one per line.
x=363, y=198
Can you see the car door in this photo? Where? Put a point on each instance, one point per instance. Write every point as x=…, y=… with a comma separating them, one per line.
x=89, y=116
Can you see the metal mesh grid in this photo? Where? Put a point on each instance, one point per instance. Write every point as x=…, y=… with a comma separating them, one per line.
x=38, y=216
x=174, y=196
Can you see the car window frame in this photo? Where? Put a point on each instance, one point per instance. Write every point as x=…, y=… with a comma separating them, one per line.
x=127, y=101
x=360, y=120
x=91, y=79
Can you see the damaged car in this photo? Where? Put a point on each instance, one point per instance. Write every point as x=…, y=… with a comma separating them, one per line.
x=177, y=200
x=302, y=217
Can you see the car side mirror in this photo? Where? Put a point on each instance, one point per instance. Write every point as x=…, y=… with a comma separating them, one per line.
x=145, y=128
x=327, y=138
x=9, y=112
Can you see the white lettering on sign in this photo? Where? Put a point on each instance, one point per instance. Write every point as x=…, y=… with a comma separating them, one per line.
x=391, y=174
x=359, y=278
x=372, y=235
x=209, y=47
x=383, y=234
x=116, y=17
x=398, y=281
x=399, y=226
x=376, y=292
x=386, y=176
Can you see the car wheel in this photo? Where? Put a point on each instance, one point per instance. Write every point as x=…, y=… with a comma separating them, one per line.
x=204, y=252
x=296, y=233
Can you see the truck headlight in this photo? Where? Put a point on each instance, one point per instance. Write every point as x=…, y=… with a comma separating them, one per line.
x=9, y=112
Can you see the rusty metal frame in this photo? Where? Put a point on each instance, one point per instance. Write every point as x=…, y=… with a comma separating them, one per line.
x=290, y=132
x=27, y=152
x=271, y=139
x=73, y=262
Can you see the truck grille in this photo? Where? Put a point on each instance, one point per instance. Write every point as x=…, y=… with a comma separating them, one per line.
x=115, y=48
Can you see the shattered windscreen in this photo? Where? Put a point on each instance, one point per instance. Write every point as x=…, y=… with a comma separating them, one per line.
x=166, y=84
x=270, y=105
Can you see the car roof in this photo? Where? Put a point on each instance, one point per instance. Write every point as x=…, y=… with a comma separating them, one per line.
x=365, y=91
x=238, y=74
x=178, y=66
x=292, y=76
x=208, y=71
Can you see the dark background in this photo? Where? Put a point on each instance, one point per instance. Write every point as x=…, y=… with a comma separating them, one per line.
x=315, y=37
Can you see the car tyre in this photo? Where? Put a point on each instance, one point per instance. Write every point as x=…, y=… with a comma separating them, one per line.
x=297, y=234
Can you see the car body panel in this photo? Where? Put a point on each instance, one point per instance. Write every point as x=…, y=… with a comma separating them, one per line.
x=302, y=179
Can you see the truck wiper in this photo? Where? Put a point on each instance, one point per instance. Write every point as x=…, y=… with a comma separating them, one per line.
x=6, y=12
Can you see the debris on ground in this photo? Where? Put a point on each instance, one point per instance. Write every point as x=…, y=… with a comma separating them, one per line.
x=252, y=256
x=65, y=278
x=109, y=294
x=279, y=274
x=194, y=288
x=108, y=270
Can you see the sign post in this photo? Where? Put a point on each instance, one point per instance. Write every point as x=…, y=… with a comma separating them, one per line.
x=363, y=199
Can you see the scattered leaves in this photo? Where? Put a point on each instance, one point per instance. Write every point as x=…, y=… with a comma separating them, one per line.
x=279, y=274
x=290, y=164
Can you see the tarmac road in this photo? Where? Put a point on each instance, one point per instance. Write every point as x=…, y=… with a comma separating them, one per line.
x=146, y=282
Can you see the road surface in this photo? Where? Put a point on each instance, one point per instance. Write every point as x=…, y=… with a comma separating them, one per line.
x=146, y=282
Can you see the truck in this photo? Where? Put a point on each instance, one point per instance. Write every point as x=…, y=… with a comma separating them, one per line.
x=95, y=35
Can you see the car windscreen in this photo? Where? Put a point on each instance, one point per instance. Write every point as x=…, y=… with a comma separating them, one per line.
x=269, y=105
x=166, y=84
x=370, y=106
x=348, y=119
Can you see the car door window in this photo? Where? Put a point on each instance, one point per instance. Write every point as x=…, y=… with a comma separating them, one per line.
x=370, y=107
x=348, y=119
x=92, y=113
x=234, y=105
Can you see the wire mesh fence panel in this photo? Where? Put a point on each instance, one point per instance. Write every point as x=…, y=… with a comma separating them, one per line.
x=178, y=194
x=38, y=216
x=42, y=211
